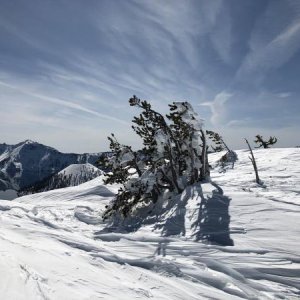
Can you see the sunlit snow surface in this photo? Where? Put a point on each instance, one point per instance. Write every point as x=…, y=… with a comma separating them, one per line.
x=52, y=247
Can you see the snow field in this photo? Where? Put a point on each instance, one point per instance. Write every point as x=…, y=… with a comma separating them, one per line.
x=54, y=245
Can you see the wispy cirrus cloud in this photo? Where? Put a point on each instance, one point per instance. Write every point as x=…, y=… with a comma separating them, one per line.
x=62, y=103
x=265, y=53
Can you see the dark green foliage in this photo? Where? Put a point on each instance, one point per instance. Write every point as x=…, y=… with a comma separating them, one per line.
x=119, y=169
x=265, y=144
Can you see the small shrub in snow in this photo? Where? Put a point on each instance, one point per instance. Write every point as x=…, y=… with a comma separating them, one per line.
x=265, y=144
x=174, y=155
x=229, y=158
x=217, y=139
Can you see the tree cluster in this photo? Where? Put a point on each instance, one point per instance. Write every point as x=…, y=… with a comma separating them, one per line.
x=174, y=155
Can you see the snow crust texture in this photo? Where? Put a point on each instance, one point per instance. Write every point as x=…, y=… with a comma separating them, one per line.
x=54, y=245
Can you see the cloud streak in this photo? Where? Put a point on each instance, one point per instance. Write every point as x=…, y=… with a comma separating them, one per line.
x=62, y=102
x=272, y=54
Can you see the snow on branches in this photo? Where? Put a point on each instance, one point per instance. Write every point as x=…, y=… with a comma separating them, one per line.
x=174, y=155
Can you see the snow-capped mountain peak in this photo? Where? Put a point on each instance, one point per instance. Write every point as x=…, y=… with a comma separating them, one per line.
x=30, y=142
x=79, y=170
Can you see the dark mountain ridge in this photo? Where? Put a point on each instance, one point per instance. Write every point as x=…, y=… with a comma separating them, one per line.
x=28, y=162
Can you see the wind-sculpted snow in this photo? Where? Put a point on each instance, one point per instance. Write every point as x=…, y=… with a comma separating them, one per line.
x=226, y=239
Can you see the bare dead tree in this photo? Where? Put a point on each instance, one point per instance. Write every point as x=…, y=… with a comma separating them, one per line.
x=252, y=158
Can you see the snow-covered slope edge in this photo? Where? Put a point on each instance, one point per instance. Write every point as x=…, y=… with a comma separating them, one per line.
x=53, y=245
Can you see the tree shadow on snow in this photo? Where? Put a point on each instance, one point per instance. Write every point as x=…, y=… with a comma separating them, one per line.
x=211, y=224
x=175, y=223
x=213, y=220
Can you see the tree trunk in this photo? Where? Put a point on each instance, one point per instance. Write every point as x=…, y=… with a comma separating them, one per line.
x=203, y=170
x=253, y=163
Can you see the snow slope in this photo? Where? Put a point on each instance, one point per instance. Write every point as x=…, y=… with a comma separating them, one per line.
x=54, y=246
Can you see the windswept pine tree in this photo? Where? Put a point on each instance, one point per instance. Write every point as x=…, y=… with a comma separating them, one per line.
x=218, y=140
x=174, y=155
x=230, y=157
x=265, y=144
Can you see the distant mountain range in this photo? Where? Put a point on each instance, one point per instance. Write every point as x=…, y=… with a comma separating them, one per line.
x=27, y=163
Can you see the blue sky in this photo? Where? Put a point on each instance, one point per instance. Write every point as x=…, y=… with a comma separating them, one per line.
x=68, y=68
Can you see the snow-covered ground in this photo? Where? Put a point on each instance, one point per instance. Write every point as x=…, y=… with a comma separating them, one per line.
x=53, y=246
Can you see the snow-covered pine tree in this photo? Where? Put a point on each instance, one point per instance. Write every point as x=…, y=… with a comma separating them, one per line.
x=191, y=142
x=265, y=144
x=174, y=155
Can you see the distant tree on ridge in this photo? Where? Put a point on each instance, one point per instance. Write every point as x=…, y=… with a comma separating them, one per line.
x=265, y=144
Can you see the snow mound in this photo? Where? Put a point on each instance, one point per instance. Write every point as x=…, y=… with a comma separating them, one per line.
x=79, y=170
x=54, y=245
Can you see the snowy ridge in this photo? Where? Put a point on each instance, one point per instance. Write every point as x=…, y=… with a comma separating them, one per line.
x=54, y=245
x=79, y=170
x=72, y=175
x=29, y=162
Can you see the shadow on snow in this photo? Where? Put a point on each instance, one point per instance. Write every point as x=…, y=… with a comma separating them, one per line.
x=211, y=220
